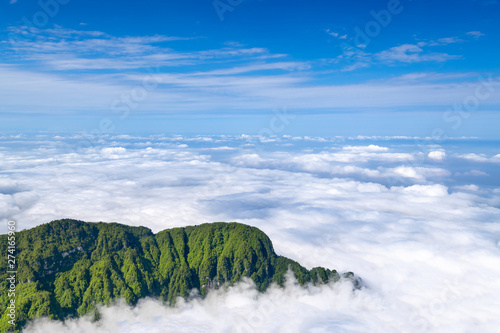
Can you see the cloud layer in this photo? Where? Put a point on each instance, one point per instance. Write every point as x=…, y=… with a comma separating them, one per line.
x=53, y=71
x=418, y=222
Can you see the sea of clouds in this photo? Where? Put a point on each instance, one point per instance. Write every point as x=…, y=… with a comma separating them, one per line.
x=417, y=220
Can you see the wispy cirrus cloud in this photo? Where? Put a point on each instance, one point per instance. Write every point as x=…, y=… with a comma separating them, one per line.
x=406, y=53
x=67, y=49
x=410, y=53
x=288, y=66
x=475, y=34
x=443, y=41
x=202, y=93
x=401, y=54
x=336, y=34
x=50, y=72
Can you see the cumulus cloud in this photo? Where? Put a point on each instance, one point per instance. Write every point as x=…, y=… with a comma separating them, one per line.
x=471, y=188
x=438, y=155
x=113, y=150
x=480, y=157
x=369, y=148
x=420, y=173
x=426, y=246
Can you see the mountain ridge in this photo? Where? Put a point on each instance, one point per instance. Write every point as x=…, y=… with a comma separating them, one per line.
x=65, y=268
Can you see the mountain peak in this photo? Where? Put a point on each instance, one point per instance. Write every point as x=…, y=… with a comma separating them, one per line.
x=67, y=267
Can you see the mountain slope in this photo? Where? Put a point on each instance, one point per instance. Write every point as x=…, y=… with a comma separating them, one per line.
x=66, y=267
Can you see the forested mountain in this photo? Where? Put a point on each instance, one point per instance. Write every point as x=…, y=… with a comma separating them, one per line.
x=66, y=267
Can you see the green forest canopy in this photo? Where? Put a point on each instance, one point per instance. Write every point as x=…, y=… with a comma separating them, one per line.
x=67, y=267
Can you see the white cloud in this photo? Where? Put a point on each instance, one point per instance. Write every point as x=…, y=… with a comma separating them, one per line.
x=420, y=173
x=240, y=308
x=114, y=152
x=332, y=33
x=411, y=53
x=427, y=251
x=475, y=34
x=468, y=188
x=473, y=173
x=405, y=53
x=449, y=40
x=63, y=49
x=480, y=157
x=474, y=157
x=256, y=67
x=222, y=148
x=41, y=77
x=176, y=93
x=427, y=190
x=82, y=42
x=370, y=148
x=438, y=155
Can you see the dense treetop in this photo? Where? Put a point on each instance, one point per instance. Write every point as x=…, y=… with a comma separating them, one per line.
x=67, y=267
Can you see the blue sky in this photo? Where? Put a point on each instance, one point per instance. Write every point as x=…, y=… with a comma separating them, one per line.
x=272, y=67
